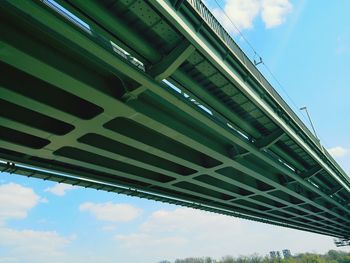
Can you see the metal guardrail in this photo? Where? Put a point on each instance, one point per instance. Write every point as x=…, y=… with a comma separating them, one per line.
x=215, y=25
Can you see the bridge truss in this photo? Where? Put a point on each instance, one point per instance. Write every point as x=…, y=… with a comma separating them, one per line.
x=154, y=99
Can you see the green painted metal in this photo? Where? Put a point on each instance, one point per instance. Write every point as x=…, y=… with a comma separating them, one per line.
x=154, y=99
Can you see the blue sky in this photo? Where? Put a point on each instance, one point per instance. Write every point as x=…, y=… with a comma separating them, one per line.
x=307, y=46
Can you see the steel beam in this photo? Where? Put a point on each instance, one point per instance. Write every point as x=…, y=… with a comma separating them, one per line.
x=164, y=68
x=201, y=44
x=311, y=173
x=170, y=63
x=149, y=82
x=269, y=140
x=108, y=61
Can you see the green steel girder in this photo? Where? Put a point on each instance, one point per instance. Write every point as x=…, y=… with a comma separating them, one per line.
x=96, y=13
x=200, y=43
x=76, y=179
x=270, y=140
x=178, y=3
x=164, y=68
x=168, y=65
x=142, y=89
x=187, y=31
x=311, y=173
x=180, y=77
x=166, y=144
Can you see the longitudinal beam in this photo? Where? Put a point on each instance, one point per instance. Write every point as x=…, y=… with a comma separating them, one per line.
x=200, y=43
x=166, y=140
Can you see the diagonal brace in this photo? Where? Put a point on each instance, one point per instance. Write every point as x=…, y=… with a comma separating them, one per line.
x=311, y=173
x=270, y=139
x=167, y=66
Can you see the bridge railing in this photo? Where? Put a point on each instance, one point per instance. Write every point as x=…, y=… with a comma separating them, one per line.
x=215, y=25
x=219, y=30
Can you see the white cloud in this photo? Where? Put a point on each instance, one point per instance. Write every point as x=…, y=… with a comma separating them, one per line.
x=32, y=246
x=45, y=243
x=60, y=189
x=111, y=212
x=8, y=259
x=338, y=151
x=25, y=245
x=274, y=11
x=145, y=241
x=240, y=12
x=16, y=201
x=44, y=200
x=187, y=232
x=109, y=228
x=243, y=13
x=172, y=234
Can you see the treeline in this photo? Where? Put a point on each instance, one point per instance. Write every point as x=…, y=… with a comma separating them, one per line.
x=332, y=256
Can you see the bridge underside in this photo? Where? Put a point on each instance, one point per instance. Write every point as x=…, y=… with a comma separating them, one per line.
x=123, y=100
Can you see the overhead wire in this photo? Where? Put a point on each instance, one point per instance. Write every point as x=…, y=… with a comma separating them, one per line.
x=256, y=54
x=236, y=27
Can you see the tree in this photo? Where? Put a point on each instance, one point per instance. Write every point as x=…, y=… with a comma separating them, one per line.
x=332, y=256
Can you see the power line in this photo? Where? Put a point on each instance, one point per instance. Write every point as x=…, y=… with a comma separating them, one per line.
x=281, y=86
x=255, y=52
x=236, y=27
x=294, y=104
x=261, y=61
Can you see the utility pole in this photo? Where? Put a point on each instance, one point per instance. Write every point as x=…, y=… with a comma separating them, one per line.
x=312, y=125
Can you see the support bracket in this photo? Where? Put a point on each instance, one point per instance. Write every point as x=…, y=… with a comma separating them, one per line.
x=177, y=4
x=311, y=173
x=164, y=68
x=269, y=140
x=167, y=66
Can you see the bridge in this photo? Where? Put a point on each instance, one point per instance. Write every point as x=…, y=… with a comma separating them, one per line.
x=155, y=99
